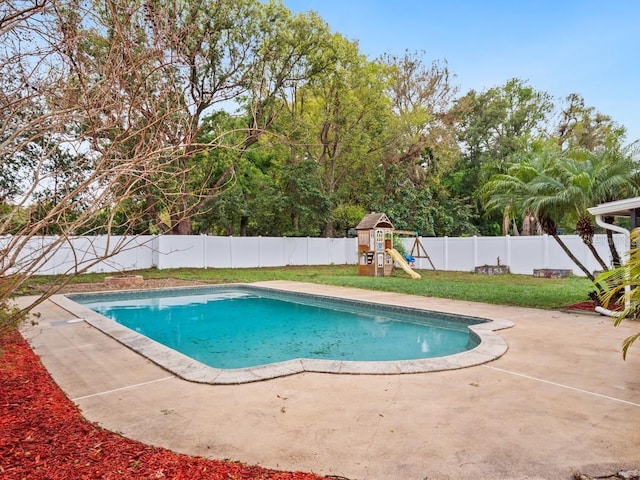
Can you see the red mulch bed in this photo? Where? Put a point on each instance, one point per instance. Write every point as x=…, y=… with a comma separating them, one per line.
x=585, y=306
x=44, y=436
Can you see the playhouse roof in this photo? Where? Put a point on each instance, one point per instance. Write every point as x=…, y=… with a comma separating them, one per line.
x=374, y=220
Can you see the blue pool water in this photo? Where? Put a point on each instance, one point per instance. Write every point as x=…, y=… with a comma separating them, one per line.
x=241, y=327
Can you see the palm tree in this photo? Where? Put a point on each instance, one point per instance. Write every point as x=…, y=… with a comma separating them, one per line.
x=619, y=290
x=613, y=174
x=556, y=186
x=585, y=180
x=534, y=186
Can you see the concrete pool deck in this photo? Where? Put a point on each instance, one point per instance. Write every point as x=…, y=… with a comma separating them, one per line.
x=560, y=400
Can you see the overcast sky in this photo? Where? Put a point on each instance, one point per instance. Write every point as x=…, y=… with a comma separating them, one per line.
x=590, y=47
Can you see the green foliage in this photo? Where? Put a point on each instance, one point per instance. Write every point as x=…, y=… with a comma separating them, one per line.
x=493, y=126
x=339, y=118
x=584, y=128
x=307, y=204
x=429, y=210
x=620, y=290
x=347, y=217
x=10, y=317
x=321, y=133
x=557, y=187
x=501, y=121
x=128, y=217
x=398, y=245
x=12, y=218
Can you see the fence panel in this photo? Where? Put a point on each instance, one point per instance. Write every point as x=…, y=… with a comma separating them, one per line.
x=343, y=251
x=521, y=254
x=526, y=253
x=41, y=254
x=271, y=251
x=556, y=257
x=318, y=251
x=177, y=251
x=134, y=253
x=217, y=252
x=436, y=249
x=602, y=245
x=245, y=252
x=460, y=254
x=52, y=255
x=490, y=250
x=295, y=250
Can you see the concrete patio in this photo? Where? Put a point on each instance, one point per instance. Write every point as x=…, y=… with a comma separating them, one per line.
x=560, y=400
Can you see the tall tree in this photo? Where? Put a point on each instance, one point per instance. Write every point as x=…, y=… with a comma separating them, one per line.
x=584, y=131
x=607, y=174
x=582, y=127
x=534, y=185
x=493, y=126
x=558, y=187
x=86, y=134
x=419, y=144
x=207, y=55
x=337, y=120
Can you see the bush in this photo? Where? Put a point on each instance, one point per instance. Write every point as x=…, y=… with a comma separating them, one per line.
x=10, y=317
x=620, y=290
x=399, y=246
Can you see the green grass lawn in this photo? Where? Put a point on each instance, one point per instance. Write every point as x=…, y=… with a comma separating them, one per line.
x=519, y=290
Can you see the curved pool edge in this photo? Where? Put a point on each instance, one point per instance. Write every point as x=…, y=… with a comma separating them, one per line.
x=491, y=346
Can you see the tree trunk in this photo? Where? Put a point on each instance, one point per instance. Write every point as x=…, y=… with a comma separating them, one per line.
x=527, y=224
x=244, y=223
x=182, y=226
x=573, y=257
x=329, y=229
x=181, y=220
x=615, y=256
x=516, y=232
x=597, y=256
x=505, y=221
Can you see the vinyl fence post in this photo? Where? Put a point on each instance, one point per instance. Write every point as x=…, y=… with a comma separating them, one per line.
x=446, y=253
x=259, y=251
x=204, y=250
x=474, y=242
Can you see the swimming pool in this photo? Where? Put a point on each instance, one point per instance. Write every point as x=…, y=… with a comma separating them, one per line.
x=234, y=334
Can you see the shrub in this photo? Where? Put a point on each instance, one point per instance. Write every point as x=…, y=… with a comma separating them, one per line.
x=10, y=317
x=620, y=292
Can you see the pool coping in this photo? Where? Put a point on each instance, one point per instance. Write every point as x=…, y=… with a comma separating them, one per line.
x=490, y=347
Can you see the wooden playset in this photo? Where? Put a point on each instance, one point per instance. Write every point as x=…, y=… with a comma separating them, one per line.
x=376, y=255
x=375, y=236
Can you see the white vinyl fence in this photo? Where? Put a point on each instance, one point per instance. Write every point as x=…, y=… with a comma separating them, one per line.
x=521, y=254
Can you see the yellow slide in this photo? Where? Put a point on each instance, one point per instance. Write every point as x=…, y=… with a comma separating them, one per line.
x=399, y=259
